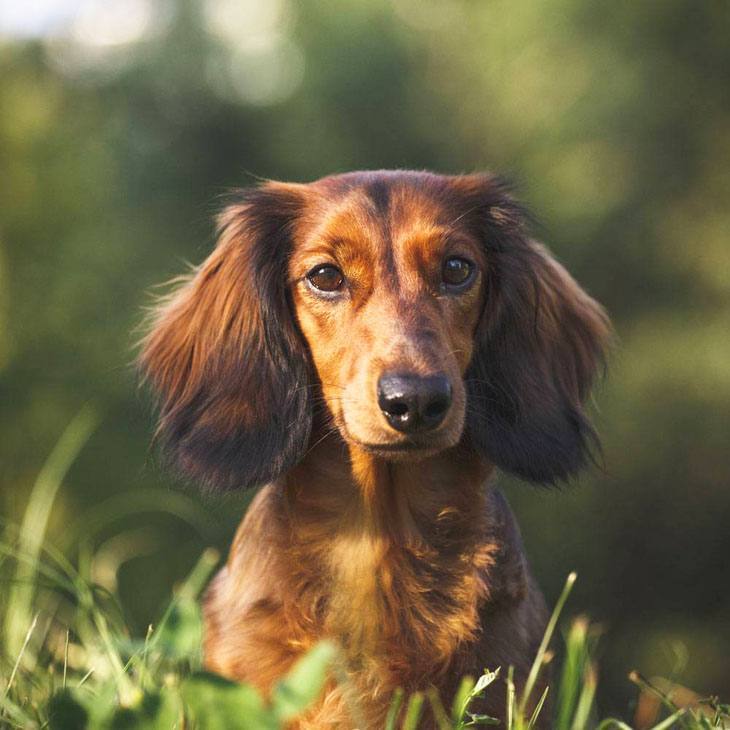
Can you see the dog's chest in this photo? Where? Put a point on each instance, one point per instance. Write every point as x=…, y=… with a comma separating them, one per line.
x=407, y=608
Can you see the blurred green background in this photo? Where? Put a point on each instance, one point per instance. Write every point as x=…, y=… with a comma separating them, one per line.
x=122, y=122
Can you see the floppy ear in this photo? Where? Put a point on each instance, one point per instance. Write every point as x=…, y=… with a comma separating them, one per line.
x=225, y=356
x=538, y=345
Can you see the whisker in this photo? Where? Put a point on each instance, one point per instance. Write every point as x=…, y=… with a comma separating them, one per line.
x=329, y=433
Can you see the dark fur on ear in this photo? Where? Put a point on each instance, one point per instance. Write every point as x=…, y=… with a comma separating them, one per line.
x=538, y=345
x=226, y=357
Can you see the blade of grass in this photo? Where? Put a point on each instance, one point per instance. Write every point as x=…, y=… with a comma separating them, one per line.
x=11, y=710
x=190, y=589
x=538, y=709
x=547, y=636
x=133, y=502
x=669, y=721
x=585, y=699
x=461, y=700
x=35, y=522
x=646, y=686
x=65, y=658
x=394, y=709
x=442, y=719
x=144, y=657
x=56, y=578
x=510, y=721
x=19, y=658
x=572, y=675
x=86, y=676
x=124, y=683
x=413, y=711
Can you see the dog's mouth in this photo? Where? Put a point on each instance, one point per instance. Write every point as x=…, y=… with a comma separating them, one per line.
x=399, y=450
x=408, y=446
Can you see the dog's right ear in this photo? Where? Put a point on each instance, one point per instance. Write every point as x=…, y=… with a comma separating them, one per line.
x=225, y=355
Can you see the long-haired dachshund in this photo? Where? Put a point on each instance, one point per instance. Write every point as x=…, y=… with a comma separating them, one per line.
x=368, y=348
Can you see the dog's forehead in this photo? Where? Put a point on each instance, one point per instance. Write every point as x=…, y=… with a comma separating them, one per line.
x=389, y=194
x=377, y=210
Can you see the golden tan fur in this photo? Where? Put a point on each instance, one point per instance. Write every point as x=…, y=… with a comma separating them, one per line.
x=396, y=545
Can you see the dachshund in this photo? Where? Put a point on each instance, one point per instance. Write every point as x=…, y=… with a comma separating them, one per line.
x=368, y=349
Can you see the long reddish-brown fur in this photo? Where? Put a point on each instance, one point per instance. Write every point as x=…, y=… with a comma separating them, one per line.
x=394, y=544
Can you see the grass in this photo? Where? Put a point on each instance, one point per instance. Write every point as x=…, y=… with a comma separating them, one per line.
x=68, y=661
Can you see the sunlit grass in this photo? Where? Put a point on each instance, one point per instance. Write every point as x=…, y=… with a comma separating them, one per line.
x=68, y=661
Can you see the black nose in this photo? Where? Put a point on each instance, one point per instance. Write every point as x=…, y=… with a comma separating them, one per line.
x=414, y=403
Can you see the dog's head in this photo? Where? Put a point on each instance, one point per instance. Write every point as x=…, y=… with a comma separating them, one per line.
x=408, y=310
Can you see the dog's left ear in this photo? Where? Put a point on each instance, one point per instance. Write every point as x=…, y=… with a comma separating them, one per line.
x=539, y=344
x=226, y=357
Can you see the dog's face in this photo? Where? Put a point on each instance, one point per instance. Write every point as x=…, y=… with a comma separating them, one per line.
x=413, y=306
x=387, y=290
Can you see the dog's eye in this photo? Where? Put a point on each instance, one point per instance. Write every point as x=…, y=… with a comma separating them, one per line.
x=457, y=272
x=326, y=278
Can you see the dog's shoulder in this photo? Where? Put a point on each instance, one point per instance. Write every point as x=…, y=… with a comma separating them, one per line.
x=509, y=575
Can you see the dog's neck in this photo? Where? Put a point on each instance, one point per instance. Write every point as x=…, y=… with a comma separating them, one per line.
x=402, y=545
x=406, y=502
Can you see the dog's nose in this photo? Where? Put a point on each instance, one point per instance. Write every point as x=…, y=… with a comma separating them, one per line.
x=414, y=403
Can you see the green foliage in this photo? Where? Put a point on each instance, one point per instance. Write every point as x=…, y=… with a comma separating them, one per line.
x=156, y=684
x=414, y=708
x=468, y=691
x=217, y=703
x=66, y=711
x=302, y=685
x=578, y=677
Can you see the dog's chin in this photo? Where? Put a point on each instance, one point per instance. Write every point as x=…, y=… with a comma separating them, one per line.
x=410, y=449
